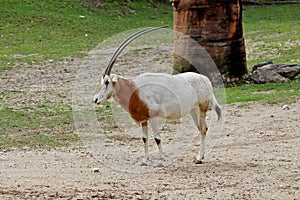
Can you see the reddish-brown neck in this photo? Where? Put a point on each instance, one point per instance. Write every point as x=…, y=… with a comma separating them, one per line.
x=127, y=95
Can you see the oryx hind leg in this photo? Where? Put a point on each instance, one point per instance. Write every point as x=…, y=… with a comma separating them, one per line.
x=157, y=137
x=199, y=116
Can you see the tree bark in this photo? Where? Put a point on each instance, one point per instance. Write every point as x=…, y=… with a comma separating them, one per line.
x=217, y=27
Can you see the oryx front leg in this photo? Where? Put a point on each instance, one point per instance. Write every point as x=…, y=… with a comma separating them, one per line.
x=157, y=137
x=145, y=140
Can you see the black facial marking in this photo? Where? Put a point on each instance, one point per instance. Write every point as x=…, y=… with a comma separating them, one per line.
x=106, y=82
x=144, y=140
x=157, y=141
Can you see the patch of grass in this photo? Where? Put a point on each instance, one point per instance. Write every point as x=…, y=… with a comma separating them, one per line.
x=272, y=33
x=270, y=93
x=36, y=126
x=123, y=138
x=39, y=140
x=34, y=31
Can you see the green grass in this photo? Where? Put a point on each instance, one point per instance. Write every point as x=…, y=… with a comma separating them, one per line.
x=33, y=31
x=40, y=125
x=271, y=93
x=272, y=33
x=39, y=140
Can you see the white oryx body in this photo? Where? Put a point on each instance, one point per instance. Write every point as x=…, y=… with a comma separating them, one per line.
x=152, y=95
x=173, y=96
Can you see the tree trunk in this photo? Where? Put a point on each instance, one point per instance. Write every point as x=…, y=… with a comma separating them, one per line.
x=217, y=27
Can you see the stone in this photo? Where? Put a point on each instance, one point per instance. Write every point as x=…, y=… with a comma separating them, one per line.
x=285, y=107
x=261, y=64
x=108, y=141
x=289, y=71
x=274, y=73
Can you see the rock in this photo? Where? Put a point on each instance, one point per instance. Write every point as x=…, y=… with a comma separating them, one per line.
x=285, y=107
x=266, y=74
x=108, y=141
x=289, y=71
x=274, y=73
x=284, y=186
x=261, y=64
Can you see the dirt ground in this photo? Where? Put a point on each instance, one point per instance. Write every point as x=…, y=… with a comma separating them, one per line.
x=256, y=155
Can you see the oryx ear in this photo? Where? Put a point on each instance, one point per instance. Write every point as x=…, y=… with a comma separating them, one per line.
x=114, y=78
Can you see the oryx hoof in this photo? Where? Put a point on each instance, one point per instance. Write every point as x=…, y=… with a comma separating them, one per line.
x=198, y=162
x=144, y=162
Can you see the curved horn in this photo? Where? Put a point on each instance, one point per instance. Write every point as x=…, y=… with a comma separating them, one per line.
x=125, y=43
x=119, y=50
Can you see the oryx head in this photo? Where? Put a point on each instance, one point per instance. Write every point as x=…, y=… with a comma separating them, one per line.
x=105, y=88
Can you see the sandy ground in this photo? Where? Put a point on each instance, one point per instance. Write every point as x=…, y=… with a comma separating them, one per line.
x=255, y=156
